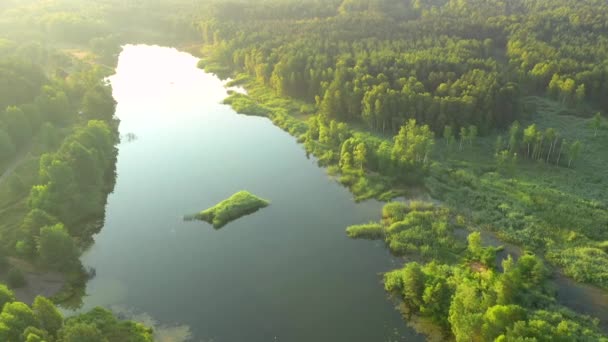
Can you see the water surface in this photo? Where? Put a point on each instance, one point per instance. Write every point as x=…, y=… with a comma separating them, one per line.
x=285, y=273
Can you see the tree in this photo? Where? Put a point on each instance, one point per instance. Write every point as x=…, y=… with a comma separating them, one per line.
x=35, y=220
x=98, y=104
x=563, y=144
x=551, y=136
x=80, y=332
x=437, y=297
x=17, y=126
x=514, y=137
x=50, y=318
x=346, y=161
x=56, y=247
x=472, y=134
x=530, y=135
x=413, y=285
x=538, y=146
x=573, y=151
x=463, y=136
x=33, y=334
x=474, y=244
x=413, y=144
x=14, y=319
x=580, y=94
x=448, y=135
x=498, y=318
x=500, y=144
x=505, y=160
x=597, y=123
x=6, y=295
x=360, y=155
x=466, y=312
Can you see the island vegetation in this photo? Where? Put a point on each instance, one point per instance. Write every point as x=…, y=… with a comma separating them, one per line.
x=234, y=207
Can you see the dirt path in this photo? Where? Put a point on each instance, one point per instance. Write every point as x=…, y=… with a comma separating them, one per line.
x=38, y=282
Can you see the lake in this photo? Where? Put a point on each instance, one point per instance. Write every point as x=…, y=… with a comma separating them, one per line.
x=285, y=273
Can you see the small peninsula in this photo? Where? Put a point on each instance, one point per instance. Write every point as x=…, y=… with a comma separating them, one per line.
x=240, y=204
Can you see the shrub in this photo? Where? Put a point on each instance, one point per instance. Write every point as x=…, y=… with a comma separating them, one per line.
x=366, y=231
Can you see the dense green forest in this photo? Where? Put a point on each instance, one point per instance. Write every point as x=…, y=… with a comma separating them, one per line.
x=57, y=146
x=495, y=108
x=42, y=321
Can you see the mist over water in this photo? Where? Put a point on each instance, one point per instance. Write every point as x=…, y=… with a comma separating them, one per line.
x=285, y=273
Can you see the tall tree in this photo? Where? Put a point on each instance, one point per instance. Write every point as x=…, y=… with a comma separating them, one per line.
x=597, y=123
x=563, y=144
x=530, y=135
x=463, y=136
x=360, y=155
x=551, y=136
x=514, y=137
x=472, y=134
x=573, y=151
x=448, y=135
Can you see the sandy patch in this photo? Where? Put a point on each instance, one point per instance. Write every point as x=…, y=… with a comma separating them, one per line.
x=39, y=282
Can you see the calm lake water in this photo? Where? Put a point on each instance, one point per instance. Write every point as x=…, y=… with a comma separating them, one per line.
x=285, y=273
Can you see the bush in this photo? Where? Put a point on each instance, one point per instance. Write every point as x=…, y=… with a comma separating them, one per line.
x=15, y=278
x=366, y=231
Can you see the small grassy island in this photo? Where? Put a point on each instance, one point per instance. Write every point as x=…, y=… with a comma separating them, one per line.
x=240, y=204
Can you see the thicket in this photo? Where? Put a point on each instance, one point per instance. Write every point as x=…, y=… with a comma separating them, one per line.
x=464, y=290
x=58, y=132
x=42, y=321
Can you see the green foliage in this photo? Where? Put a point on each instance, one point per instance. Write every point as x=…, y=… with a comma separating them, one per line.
x=584, y=264
x=44, y=322
x=48, y=315
x=415, y=227
x=240, y=204
x=77, y=332
x=245, y=105
x=476, y=252
x=366, y=231
x=6, y=295
x=98, y=104
x=57, y=248
x=43, y=89
x=413, y=144
x=469, y=303
x=73, y=179
x=556, y=212
x=14, y=319
x=100, y=324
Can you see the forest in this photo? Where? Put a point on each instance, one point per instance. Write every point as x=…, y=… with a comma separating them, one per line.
x=494, y=108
